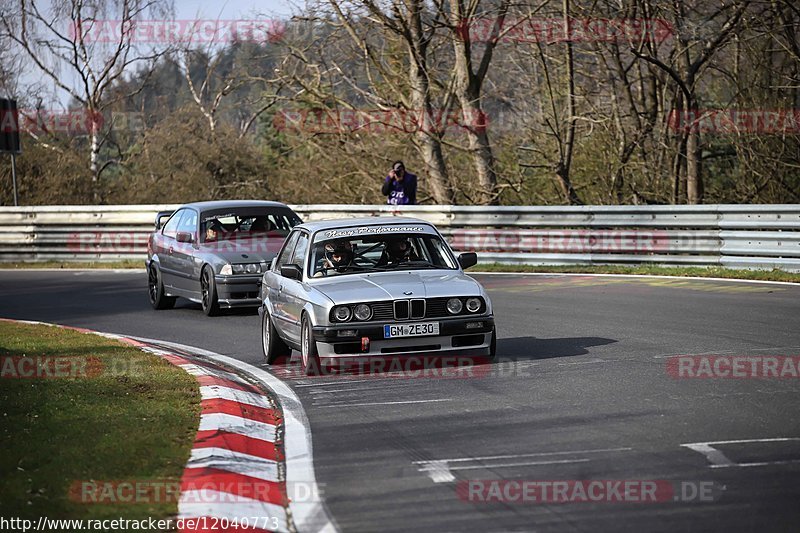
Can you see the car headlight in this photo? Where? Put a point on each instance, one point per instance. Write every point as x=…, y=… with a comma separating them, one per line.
x=243, y=268
x=342, y=313
x=454, y=306
x=473, y=304
x=363, y=312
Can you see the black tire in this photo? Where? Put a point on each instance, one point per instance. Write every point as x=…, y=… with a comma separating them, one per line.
x=272, y=346
x=155, y=290
x=208, y=290
x=308, y=349
x=493, y=346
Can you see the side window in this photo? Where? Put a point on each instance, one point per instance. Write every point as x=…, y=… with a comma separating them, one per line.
x=286, y=252
x=188, y=222
x=300, y=251
x=171, y=227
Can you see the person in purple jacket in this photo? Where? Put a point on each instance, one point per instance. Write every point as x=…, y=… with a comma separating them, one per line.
x=400, y=186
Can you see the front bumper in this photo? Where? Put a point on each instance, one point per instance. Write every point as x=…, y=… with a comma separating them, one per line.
x=468, y=336
x=238, y=290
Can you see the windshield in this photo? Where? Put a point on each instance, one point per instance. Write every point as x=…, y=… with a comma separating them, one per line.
x=399, y=251
x=232, y=225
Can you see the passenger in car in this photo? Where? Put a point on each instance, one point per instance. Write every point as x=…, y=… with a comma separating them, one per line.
x=397, y=251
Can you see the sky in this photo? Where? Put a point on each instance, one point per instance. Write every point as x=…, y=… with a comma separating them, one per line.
x=184, y=10
x=230, y=9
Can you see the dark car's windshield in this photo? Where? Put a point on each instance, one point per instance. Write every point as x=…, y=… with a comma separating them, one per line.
x=232, y=224
x=377, y=253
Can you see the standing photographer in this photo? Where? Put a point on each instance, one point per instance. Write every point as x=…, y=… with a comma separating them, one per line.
x=400, y=186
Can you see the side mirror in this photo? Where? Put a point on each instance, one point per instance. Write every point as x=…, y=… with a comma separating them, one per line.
x=467, y=259
x=184, y=236
x=291, y=272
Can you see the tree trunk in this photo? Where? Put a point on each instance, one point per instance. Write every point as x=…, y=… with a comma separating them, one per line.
x=427, y=138
x=468, y=93
x=694, y=178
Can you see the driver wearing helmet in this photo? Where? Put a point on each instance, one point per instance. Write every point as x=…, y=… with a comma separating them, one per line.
x=338, y=257
x=396, y=251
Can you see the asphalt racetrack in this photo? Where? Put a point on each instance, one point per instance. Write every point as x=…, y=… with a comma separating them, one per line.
x=587, y=388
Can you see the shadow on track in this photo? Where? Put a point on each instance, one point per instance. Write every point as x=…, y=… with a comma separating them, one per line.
x=520, y=348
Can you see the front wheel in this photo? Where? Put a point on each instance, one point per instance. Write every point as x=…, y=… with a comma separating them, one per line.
x=272, y=346
x=155, y=289
x=493, y=345
x=308, y=349
x=208, y=288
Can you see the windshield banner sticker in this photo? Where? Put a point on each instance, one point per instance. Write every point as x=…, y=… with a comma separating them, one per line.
x=372, y=230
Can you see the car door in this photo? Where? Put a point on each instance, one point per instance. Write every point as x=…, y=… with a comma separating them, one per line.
x=274, y=284
x=166, y=249
x=186, y=279
x=294, y=291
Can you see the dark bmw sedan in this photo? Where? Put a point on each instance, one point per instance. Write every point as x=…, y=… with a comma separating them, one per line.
x=214, y=253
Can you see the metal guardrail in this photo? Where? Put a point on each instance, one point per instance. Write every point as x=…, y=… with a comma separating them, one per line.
x=737, y=236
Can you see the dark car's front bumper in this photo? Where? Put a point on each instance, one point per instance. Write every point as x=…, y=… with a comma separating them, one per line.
x=462, y=335
x=238, y=290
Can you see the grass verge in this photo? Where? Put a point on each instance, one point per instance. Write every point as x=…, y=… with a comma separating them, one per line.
x=130, y=416
x=702, y=272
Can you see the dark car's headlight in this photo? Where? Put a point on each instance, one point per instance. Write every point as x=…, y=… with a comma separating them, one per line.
x=454, y=306
x=242, y=268
x=362, y=312
x=473, y=305
x=341, y=313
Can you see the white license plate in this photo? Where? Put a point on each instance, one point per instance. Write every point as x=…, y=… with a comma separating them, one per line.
x=410, y=330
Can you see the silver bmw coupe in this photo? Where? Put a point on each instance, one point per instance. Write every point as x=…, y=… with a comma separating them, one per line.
x=371, y=287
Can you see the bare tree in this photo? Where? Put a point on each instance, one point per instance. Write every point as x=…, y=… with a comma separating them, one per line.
x=70, y=44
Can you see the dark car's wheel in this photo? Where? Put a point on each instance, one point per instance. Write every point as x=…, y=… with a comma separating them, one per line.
x=273, y=346
x=155, y=290
x=308, y=349
x=208, y=288
x=493, y=345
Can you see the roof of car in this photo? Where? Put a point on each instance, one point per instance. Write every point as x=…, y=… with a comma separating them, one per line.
x=225, y=204
x=337, y=223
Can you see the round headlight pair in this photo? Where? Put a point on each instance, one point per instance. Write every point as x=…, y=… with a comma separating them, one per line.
x=455, y=306
x=362, y=312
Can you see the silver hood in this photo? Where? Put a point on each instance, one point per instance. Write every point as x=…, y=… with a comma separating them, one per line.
x=378, y=286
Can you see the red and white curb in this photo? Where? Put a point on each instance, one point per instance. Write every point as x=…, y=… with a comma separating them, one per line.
x=247, y=450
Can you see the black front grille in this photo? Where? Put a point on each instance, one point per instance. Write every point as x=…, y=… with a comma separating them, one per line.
x=418, y=308
x=401, y=309
x=382, y=311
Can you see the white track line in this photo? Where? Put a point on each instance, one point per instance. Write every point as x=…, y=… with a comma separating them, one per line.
x=520, y=455
x=347, y=404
